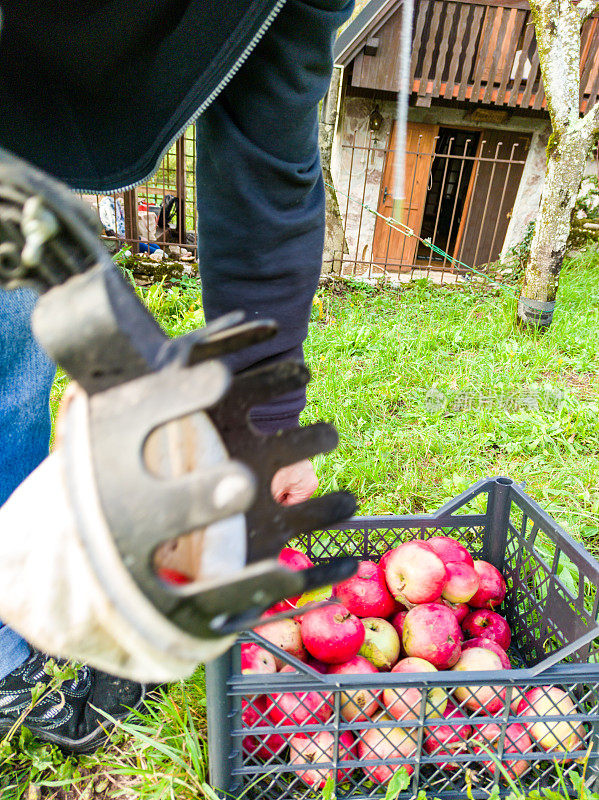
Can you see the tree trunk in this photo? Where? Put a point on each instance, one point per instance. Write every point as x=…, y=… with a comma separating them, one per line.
x=334, y=240
x=557, y=26
x=565, y=169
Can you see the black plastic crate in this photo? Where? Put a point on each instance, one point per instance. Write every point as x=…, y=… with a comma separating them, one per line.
x=552, y=607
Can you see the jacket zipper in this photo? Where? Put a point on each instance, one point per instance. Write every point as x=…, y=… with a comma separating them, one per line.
x=207, y=102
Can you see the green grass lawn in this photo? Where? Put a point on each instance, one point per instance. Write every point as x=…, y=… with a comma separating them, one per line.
x=431, y=388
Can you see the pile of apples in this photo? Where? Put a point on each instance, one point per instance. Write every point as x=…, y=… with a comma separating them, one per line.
x=427, y=606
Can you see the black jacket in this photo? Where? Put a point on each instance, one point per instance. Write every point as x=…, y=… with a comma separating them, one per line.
x=95, y=91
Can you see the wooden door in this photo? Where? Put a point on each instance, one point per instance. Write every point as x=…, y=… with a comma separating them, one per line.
x=389, y=246
x=493, y=188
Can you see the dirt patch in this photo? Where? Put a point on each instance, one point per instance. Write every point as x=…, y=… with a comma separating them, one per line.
x=97, y=784
x=585, y=385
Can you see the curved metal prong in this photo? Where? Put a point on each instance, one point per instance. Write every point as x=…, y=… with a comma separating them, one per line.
x=296, y=444
x=238, y=603
x=257, y=386
x=266, y=540
x=223, y=342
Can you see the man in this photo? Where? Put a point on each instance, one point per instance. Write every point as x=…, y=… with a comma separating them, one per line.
x=95, y=92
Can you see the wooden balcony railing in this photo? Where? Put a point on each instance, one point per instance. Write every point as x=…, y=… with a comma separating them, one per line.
x=481, y=51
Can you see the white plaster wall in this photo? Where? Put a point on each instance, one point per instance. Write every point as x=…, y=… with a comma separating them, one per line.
x=526, y=205
x=362, y=178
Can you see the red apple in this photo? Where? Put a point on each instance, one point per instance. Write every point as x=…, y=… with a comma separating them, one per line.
x=431, y=631
x=357, y=705
x=366, y=593
x=462, y=582
x=448, y=740
x=490, y=645
x=517, y=741
x=270, y=745
x=405, y=702
x=449, y=550
x=385, y=745
x=255, y=660
x=286, y=634
x=489, y=698
x=263, y=746
x=301, y=708
x=384, y=559
x=492, y=588
x=487, y=624
x=461, y=610
x=397, y=620
x=173, y=576
x=415, y=573
x=252, y=712
x=331, y=634
x=565, y=735
x=518, y=695
x=281, y=606
x=294, y=560
x=319, y=748
x=317, y=665
x=381, y=643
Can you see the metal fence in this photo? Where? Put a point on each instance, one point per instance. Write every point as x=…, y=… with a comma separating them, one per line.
x=159, y=215
x=460, y=191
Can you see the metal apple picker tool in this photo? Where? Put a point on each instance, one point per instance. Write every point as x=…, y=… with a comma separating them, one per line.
x=155, y=445
x=403, y=98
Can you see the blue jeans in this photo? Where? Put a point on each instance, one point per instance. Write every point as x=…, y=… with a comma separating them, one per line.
x=26, y=375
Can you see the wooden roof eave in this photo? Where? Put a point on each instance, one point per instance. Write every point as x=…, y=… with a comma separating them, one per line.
x=372, y=17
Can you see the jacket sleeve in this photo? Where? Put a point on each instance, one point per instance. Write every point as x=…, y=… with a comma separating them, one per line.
x=260, y=189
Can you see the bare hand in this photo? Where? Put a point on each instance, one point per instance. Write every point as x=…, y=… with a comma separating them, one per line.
x=294, y=484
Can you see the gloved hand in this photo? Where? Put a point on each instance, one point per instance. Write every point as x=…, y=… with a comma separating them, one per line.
x=66, y=588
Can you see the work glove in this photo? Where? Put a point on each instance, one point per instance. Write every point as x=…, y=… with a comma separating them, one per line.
x=66, y=588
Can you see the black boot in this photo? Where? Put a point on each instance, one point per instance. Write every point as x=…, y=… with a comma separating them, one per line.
x=70, y=716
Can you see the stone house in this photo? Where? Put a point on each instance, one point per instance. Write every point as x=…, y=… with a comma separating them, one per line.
x=477, y=131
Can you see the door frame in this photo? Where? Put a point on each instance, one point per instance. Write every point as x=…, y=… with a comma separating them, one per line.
x=383, y=184
x=424, y=262
x=468, y=198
